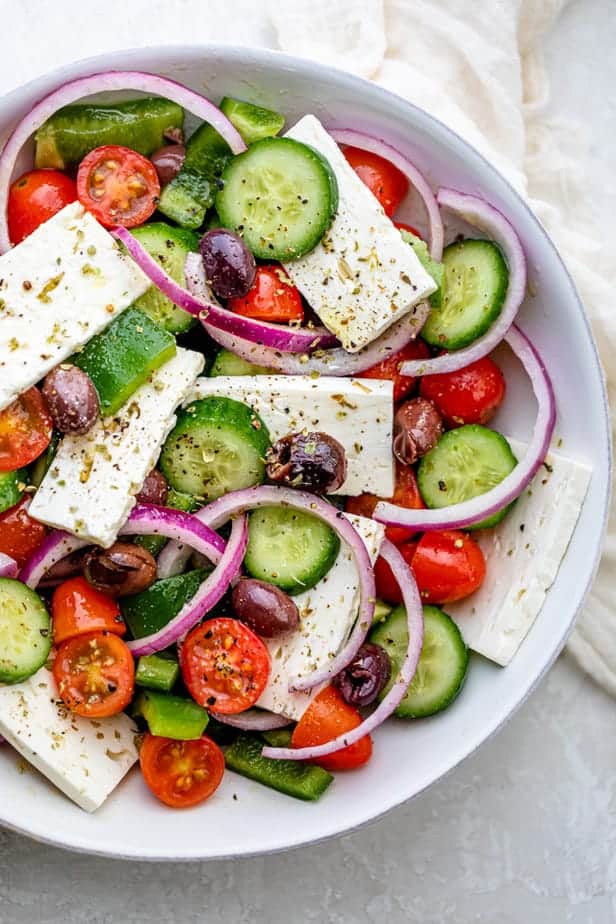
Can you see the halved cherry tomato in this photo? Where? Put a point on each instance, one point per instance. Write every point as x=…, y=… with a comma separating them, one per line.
x=77, y=608
x=224, y=665
x=389, y=368
x=448, y=566
x=273, y=297
x=20, y=534
x=402, y=226
x=181, y=773
x=386, y=584
x=95, y=674
x=328, y=716
x=25, y=430
x=34, y=198
x=384, y=181
x=118, y=186
x=470, y=395
x=406, y=494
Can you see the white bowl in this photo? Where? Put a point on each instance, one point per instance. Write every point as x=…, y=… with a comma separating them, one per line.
x=245, y=818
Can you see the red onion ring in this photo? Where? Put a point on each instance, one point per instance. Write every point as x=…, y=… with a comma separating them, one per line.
x=8, y=566
x=413, y=175
x=414, y=615
x=97, y=83
x=479, y=213
x=209, y=593
x=457, y=516
x=55, y=546
x=256, y=720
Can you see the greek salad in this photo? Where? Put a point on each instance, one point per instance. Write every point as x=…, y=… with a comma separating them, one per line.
x=251, y=504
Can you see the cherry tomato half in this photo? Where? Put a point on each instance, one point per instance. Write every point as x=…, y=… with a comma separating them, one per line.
x=328, y=716
x=20, y=534
x=386, y=584
x=181, y=773
x=77, y=608
x=406, y=494
x=34, y=198
x=25, y=430
x=273, y=297
x=470, y=395
x=384, y=181
x=389, y=368
x=448, y=566
x=224, y=665
x=95, y=674
x=118, y=186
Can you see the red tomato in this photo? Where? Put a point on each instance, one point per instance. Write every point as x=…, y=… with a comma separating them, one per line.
x=25, y=430
x=328, y=716
x=389, y=368
x=402, y=225
x=118, y=186
x=224, y=665
x=406, y=494
x=384, y=181
x=77, y=608
x=386, y=584
x=273, y=297
x=470, y=395
x=34, y=198
x=181, y=773
x=95, y=674
x=20, y=535
x=448, y=566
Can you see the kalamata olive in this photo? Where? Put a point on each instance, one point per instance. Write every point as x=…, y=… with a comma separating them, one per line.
x=68, y=567
x=168, y=161
x=266, y=609
x=313, y=461
x=418, y=427
x=229, y=266
x=121, y=570
x=361, y=682
x=154, y=489
x=71, y=398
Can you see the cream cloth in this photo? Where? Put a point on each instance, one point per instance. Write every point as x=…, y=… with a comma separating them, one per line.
x=476, y=66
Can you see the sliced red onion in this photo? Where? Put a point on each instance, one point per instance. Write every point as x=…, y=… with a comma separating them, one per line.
x=209, y=593
x=152, y=520
x=414, y=615
x=457, y=516
x=413, y=175
x=256, y=720
x=477, y=212
x=98, y=83
x=8, y=566
x=54, y=547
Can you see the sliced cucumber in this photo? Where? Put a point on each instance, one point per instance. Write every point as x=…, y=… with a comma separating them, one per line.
x=218, y=445
x=465, y=462
x=41, y=466
x=150, y=610
x=280, y=195
x=227, y=363
x=442, y=665
x=252, y=122
x=25, y=631
x=190, y=194
x=474, y=289
x=169, y=247
x=12, y=486
x=289, y=548
x=433, y=267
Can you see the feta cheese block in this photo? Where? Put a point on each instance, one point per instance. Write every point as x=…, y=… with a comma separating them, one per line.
x=91, y=485
x=85, y=758
x=523, y=555
x=327, y=612
x=357, y=412
x=362, y=276
x=60, y=286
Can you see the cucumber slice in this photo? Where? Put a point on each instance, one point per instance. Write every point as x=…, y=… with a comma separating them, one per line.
x=252, y=122
x=178, y=501
x=291, y=777
x=433, y=267
x=218, y=445
x=65, y=139
x=12, y=486
x=442, y=665
x=281, y=196
x=227, y=363
x=289, y=548
x=474, y=289
x=25, y=631
x=169, y=247
x=150, y=610
x=41, y=466
x=465, y=462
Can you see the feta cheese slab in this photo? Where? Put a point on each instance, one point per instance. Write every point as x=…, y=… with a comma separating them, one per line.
x=90, y=488
x=85, y=758
x=362, y=276
x=523, y=555
x=357, y=412
x=327, y=613
x=60, y=286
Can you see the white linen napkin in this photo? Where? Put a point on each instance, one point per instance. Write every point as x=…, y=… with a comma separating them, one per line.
x=476, y=66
